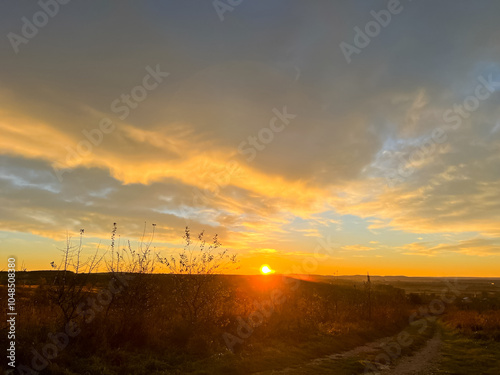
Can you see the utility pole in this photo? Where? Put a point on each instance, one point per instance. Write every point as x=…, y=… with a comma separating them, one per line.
x=369, y=288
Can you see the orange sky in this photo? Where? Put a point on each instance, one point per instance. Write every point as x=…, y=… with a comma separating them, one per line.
x=256, y=127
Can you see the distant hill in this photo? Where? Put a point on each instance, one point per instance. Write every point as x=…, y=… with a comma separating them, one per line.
x=411, y=284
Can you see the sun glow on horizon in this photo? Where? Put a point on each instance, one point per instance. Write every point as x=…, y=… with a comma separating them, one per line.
x=266, y=270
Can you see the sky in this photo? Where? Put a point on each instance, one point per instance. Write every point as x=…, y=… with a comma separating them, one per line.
x=314, y=136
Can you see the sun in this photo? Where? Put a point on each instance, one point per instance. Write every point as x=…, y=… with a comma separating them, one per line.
x=266, y=270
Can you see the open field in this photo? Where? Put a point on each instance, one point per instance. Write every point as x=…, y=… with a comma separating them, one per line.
x=258, y=324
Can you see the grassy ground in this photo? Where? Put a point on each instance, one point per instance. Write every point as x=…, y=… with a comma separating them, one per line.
x=464, y=355
x=299, y=362
x=460, y=354
x=262, y=357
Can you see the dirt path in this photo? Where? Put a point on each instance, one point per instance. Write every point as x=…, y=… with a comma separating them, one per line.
x=422, y=362
x=371, y=347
